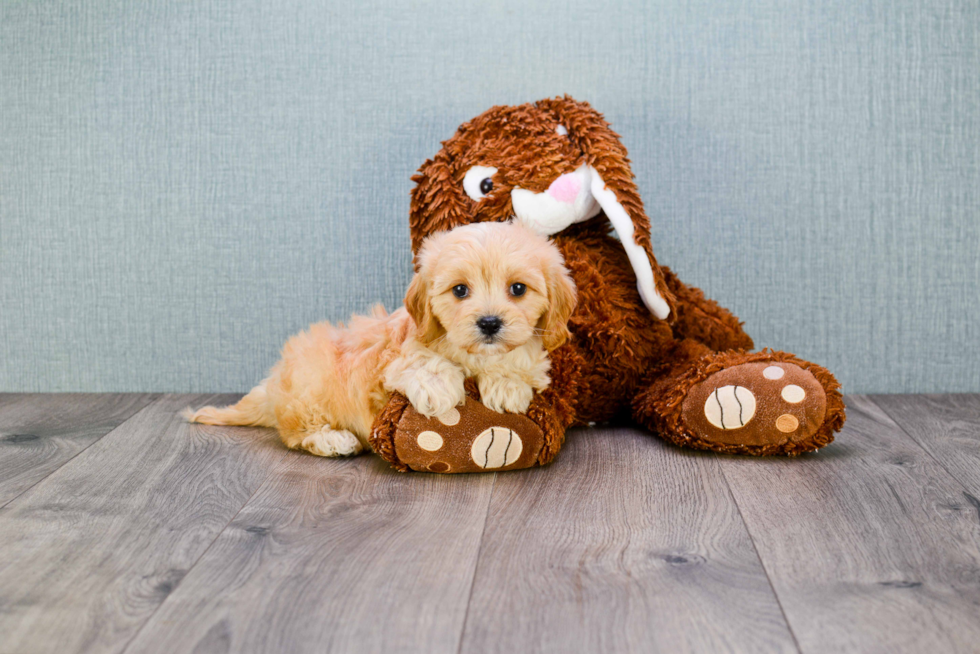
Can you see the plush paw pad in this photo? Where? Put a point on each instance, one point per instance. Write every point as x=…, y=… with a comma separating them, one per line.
x=496, y=447
x=759, y=403
x=730, y=407
x=430, y=441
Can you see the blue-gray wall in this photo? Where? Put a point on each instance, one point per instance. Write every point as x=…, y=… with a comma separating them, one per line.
x=184, y=183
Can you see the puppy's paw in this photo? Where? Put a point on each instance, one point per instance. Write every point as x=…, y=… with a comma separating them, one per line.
x=435, y=394
x=332, y=442
x=505, y=395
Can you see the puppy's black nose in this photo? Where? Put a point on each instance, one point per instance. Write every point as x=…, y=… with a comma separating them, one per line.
x=489, y=325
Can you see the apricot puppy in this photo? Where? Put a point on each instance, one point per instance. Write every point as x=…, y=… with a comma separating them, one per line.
x=489, y=301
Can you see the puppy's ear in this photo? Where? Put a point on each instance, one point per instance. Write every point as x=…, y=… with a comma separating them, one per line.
x=417, y=303
x=436, y=203
x=562, y=299
x=616, y=192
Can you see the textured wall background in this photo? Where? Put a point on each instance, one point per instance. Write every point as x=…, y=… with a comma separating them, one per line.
x=183, y=184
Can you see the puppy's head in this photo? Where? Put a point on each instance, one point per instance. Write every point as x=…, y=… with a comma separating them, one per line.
x=489, y=288
x=552, y=164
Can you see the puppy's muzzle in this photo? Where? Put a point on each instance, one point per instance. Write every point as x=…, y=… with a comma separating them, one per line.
x=489, y=325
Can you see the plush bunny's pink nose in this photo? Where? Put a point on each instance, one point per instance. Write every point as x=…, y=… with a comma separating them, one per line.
x=565, y=188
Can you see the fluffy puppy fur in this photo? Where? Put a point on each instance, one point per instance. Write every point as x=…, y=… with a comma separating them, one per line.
x=489, y=301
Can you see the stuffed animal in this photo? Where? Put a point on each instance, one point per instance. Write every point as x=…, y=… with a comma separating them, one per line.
x=645, y=346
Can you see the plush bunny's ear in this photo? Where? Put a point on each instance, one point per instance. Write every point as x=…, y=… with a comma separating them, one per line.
x=615, y=191
x=641, y=258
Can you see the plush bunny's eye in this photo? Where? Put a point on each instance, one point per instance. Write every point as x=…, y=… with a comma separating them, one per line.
x=478, y=181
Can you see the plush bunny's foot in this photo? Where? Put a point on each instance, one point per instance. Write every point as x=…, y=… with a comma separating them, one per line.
x=756, y=404
x=468, y=438
x=763, y=403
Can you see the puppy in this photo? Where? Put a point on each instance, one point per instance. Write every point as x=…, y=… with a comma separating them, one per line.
x=489, y=301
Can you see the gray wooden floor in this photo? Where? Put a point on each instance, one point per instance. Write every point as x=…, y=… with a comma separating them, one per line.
x=122, y=529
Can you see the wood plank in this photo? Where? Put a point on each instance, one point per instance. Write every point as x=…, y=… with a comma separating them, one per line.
x=945, y=426
x=623, y=544
x=92, y=550
x=10, y=398
x=870, y=544
x=40, y=432
x=333, y=555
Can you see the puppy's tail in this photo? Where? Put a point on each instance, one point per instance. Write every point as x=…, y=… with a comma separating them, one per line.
x=254, y=409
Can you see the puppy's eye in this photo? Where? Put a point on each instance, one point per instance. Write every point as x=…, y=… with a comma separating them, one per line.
x=518, y=289
x=478, y=181
x=460, y=291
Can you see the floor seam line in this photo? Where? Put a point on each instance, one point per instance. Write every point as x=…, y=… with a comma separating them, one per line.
x=85, y=449
x=476, y=564
x=758, y=556
x=953, y=475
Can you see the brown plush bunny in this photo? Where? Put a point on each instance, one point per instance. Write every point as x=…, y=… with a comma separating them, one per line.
x=644, y=345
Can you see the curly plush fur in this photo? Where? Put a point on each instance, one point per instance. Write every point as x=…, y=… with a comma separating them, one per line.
x=622, y=359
